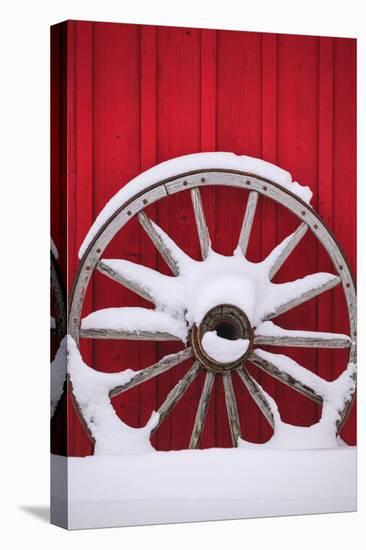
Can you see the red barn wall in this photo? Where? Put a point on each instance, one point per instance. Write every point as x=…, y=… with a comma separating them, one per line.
x=139, y=95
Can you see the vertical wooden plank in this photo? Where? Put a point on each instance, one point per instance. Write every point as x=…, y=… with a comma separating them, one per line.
x=208, y=89
x=116, y=155
x=239, y=129
x=344, y=177
x=75, y=434
x=70, y=149
x=208, y=143
x=178, y=133
x=269, y=153
x=298, y=152
x=80, y=179
x=148, y=351
x=55, y=137
x=325, y=190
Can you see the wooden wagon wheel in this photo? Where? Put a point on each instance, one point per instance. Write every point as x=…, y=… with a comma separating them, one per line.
x=58, y=300
x=228, y=319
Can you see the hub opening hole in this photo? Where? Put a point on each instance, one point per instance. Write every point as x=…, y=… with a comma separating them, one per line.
x=226, y=330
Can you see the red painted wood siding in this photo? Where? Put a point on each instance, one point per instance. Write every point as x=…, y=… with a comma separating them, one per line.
x=138, y=95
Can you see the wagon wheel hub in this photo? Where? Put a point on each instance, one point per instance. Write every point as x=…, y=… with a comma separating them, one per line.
x=224, y=326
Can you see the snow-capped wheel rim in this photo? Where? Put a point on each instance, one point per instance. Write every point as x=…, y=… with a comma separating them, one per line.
x=316, y=390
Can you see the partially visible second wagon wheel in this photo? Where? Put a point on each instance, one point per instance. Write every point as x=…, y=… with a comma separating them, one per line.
x=214, y=305
x=58, y=330
x=58, y=299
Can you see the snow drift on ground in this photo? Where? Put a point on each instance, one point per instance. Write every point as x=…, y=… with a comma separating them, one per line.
x=179, y=486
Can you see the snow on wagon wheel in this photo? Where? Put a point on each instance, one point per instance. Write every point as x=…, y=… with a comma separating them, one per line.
x=222, y=307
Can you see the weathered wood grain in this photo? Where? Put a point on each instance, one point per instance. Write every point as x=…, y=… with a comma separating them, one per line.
x=312, y=293
x=304, y=341
x=114, y=334
x=274, y=371
x=165, y=364
x=231, y=408
x=246, y=227
x=257, y=394
x=158, y=242
x=128, y=283
x=202, y=410
x=202, y=229
x=293, y=241
x=177, y=393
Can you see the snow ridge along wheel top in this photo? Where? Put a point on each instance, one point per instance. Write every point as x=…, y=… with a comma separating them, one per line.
x=222, y=307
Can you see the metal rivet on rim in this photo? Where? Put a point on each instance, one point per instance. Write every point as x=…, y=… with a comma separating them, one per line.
x=348, y=285
x=203, y=180
x=129, y=213
x=303, y=213
x=185, y=182
x=145, y=201
x=341, y=267
x=75, y=320
x=315, y=226
x=87, y=268
x=99, y=250
x=247, y=182
x=264, y=188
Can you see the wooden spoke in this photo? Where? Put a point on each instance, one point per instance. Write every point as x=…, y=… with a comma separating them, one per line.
x=273, y=370
x=156, y=237
x=115, y=334
x=165, y=364
x=202, y=410
x=232, y=409
x=302, y=297
x=127, y=282
x=310, y=340
x=202, y=229
x=284, y=249
x=177, y=393
x=248, y=221
x=131, y=323
x=257, y=394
